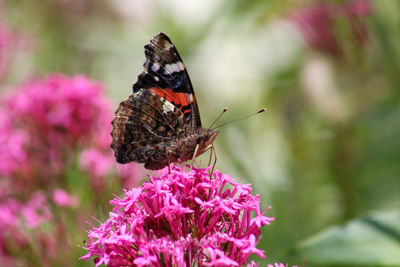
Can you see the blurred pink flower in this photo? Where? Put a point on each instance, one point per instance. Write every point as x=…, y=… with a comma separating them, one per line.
x=11, y=234
x=317, y=24
x=60, y=109
x=99, y=163
x=62, y=199
x=12, y=143
x=358, y=8
x=9, y=211
x=45, y=121
x=129, y=174
x=96, y=162
x=20, y=225
x=6, y=259
x=355, y=11
x=180, y=218
x=44, y=125
x=36, y=211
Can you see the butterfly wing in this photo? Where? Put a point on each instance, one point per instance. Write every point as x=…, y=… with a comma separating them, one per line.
x=165, y=74
x=144, y=126
x=161, y=112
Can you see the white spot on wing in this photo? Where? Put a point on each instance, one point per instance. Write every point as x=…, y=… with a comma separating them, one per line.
x=156, y=78
x=175, y=67
x=167, y=45
x=155, y=67
x=167, y=107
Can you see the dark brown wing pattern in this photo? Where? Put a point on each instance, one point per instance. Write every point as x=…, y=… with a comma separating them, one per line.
x=141, y=123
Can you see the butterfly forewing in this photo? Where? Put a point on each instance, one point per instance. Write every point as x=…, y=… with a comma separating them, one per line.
x=165, y=74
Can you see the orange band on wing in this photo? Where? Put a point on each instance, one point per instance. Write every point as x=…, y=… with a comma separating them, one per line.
x=177, y=98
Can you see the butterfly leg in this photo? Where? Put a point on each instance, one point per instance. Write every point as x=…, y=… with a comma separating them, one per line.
x=194, y=156
x=169, y=162
x=212, y=151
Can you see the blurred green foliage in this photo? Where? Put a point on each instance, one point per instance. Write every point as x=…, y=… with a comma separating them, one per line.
x=328, y=149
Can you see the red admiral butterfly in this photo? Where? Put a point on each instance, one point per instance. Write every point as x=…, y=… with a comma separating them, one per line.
x=160, y=123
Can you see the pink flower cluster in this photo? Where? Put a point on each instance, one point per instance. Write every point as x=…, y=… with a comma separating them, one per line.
x=14, y=214
x=33, y=213
x=43, y=122
x=62, y=109
x=317, y=24
x=46, y=125
x=180, y=219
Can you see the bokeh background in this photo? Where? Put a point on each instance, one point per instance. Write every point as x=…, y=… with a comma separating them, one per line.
x=325, y=155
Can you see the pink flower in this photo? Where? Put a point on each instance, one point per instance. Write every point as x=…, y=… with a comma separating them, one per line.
x=45, y=121
x=100, y=162
x=180, y=218
x=36, y=211
x=9, y=211
x=44, y=125
x=317, y=24
x=11, y=232
x=358, y=8
x=62, y=199
x=12, y=146
x=253, y=264
x=63, y=110
x=129, y=174
x=278, y=264
x=218, y=258
x=97, y=163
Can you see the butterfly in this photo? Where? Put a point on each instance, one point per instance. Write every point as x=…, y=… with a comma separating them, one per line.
x=160, y=122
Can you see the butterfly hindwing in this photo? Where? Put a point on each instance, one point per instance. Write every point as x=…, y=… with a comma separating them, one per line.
x=144, y=119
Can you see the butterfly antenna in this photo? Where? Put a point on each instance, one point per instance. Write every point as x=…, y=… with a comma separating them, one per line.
x=219, y=116
x=245, y=117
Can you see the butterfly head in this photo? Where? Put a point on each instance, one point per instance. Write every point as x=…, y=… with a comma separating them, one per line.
x=205, y=140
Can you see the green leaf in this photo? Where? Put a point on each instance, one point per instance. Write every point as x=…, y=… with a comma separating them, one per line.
x=370, y=241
